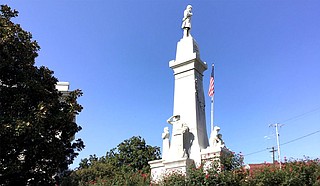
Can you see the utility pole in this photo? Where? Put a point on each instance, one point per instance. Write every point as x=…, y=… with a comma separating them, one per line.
x=273, y=157
x=278, y=143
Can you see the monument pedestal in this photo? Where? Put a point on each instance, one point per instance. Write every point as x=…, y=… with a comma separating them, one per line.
x=160, y=168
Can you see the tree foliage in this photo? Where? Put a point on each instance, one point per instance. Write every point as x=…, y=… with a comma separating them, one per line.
x=133, y=154
x=231, y=161
x=127, y=163
x=36, y=125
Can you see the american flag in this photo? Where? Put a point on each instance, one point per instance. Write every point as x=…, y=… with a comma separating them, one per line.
x=211, y=86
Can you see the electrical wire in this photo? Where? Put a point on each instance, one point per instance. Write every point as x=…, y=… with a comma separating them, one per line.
x=300, y=138
x=292, y=118
x=301, y=115
x=255, y=152
x=262, y=150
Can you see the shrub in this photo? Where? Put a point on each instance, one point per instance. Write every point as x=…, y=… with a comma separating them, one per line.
x=293, y=173
x=173, y=179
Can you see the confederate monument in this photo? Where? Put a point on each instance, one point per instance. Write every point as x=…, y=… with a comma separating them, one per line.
x=189, y=142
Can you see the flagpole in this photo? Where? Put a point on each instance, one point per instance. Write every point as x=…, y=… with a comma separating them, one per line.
x=212, y=100
x=211, y=94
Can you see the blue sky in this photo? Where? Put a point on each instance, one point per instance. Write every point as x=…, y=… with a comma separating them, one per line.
x=266, y=55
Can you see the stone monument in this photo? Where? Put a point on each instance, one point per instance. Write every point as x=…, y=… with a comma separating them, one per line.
x=189, y=142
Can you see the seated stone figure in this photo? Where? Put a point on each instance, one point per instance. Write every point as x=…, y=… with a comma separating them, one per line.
x=216, y=138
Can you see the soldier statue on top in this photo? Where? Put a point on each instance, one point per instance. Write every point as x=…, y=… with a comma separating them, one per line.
x=186, y=21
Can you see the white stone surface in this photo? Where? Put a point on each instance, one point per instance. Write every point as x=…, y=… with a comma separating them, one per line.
x=165, y=142
x=187, y=49
x=216, y=138
x=189, y=100
x=157, y=170
x=62, y=86
x=161, y=168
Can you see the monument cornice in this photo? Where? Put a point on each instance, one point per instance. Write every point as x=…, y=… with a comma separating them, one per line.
x=184, y=66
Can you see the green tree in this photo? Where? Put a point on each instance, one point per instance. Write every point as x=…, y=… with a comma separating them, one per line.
x=231, y=161
x=133, y=154
x=36, y=125
x=127, y=164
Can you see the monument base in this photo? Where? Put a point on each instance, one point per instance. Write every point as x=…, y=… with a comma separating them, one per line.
x=210, y=158
x=162, y=168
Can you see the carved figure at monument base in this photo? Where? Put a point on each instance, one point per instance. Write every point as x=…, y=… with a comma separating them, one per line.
x=165, y=142
x=216, y=138
x=179, y=130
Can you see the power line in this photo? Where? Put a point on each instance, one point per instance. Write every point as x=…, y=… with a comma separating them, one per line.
x=292, y=118
x=301, y=115
x=300, y=138
x=256, y=152
x=262, y=150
